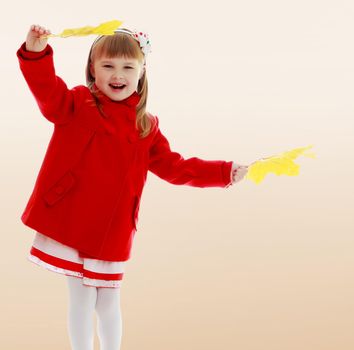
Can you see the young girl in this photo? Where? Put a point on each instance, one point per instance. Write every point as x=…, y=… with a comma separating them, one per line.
x=85, y=202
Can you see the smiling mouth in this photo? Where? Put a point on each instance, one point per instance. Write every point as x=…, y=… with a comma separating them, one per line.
x=117, y=87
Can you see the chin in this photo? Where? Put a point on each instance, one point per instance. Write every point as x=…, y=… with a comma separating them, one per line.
x=118, y=98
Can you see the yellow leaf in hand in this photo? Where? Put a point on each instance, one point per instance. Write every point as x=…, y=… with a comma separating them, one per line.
x=281, y=164
x=106, y=28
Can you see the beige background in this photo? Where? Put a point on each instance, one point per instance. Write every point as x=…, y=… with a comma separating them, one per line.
x=267, y=267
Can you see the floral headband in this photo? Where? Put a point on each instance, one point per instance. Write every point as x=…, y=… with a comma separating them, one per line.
x=140, y=37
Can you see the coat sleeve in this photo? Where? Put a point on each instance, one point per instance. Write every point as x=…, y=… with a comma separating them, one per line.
x=172, y=167
x=55, y=100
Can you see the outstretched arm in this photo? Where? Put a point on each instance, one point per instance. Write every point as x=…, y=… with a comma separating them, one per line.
x=174, y=168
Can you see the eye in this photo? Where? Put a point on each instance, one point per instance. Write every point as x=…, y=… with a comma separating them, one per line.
x=129, y=67
x=107, y=65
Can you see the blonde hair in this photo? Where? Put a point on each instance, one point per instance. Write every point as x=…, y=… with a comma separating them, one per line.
x=121, y=45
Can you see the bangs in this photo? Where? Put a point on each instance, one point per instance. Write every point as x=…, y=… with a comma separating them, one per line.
x=117, y=45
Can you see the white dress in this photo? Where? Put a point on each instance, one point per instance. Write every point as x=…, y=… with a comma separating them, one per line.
x=60, y=258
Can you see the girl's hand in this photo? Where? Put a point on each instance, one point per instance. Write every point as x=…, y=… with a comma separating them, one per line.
x=35, y=41
x=239, y=172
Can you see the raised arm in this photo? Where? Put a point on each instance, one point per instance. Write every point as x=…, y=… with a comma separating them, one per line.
x=172, y=167
x=55, y=100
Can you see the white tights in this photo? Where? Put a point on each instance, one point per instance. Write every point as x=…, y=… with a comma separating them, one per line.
x=83, y=301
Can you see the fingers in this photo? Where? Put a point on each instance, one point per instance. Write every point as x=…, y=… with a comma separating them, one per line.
x=239, y=173
x=238, y=177
x=36, y=39
x=39, y=30
x=236, y=165
x=241, y=167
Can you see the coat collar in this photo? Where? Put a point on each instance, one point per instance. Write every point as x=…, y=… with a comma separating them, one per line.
x=130, y=101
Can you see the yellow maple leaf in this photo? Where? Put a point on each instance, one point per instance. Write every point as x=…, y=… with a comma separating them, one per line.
x=106, y=28
x=281, y=164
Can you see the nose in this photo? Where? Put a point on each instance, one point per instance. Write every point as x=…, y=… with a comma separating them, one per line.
x=118, y=74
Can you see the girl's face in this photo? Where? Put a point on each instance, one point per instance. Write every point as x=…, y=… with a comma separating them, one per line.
x=117, y=77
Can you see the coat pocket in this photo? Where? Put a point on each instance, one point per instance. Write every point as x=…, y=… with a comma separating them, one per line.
x=136, y=206
x=59, y=190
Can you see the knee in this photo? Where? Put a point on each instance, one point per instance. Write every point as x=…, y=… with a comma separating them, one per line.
x=108, y=299
x=80, y=294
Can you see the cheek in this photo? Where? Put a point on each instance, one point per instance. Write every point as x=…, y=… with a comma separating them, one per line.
x=101, y=75
x=135, y=77
x=95, y=71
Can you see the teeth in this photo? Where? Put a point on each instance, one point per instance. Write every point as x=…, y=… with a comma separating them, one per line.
x=117, y=86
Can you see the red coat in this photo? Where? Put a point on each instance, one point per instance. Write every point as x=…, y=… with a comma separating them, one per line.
x=88, y=189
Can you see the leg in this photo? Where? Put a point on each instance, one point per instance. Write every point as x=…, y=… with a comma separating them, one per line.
x=80, y=316
x=109, y=319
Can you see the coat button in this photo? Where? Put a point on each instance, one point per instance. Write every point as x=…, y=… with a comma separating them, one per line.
x=59, y=189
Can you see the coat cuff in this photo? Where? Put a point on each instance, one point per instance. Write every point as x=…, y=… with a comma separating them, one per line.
x=31, y=55
x=227, y=173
